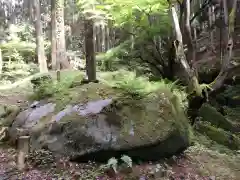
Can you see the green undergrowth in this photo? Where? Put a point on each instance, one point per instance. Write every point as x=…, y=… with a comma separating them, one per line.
x=54, y=88
x=111, y=84
x=204, y=140
x=233, y=114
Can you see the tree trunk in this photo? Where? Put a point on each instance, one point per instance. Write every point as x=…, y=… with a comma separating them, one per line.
x=1, y=62
x=189, y=76
x=39, y=38
x=191, y=55
x=107, y=39
x=196, y=100
x=60, y=36
x=101, y=36
x=90, y=51
x=53, y=35
x=225, y=68
x=210, y=16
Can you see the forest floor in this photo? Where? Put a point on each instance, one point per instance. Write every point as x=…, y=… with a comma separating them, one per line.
x=197, y=163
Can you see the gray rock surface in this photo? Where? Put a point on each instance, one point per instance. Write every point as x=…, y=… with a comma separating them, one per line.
x=144, y=129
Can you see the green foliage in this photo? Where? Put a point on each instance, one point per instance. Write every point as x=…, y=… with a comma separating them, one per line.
x=20, y=39
x=113, y=163
x=141, y=86
x=54, y=88
x=18, y=51
x=127, y=160
x=114, y=58
x=232, y=92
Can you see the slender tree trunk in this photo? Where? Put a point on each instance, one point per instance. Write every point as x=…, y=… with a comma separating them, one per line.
x=39, y=38
x=1, y=63
x=225, y=68
x=210, y=16
x=90, y=51
x=60, y=35
x=53, y=35
x=189, y=74
x=99, y=44
x=107, y=38
x=191, y=55
x=101, y=36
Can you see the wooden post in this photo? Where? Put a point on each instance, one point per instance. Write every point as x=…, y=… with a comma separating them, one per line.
x=23, y=150
x=58, y=75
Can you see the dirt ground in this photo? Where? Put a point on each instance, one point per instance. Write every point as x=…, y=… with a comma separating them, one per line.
x=201, y=166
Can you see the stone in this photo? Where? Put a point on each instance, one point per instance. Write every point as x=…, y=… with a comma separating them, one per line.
x=2, y=111
x=28, y=118
x=148, y=129
x=210, y=114
x=219, y=135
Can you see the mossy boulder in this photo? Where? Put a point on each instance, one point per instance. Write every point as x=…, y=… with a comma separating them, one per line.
x=210, y=114
x=97, y=122
x=219, y=135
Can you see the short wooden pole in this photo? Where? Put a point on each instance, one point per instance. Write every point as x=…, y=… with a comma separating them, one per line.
x=23, y=150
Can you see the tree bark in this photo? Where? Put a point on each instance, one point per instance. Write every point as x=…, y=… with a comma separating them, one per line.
x=107, y=39
x=225, y=68
x=1, y=63
x=53, y=35
x=60, y=36
x=189, y=76
x=90, y=51
x=210, y=16
x=39, y=38
x=191, y=55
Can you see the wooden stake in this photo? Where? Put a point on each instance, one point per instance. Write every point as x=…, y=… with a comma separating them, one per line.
x=58, y=76
x=23, y=150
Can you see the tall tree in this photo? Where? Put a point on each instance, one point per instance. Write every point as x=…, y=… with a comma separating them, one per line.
x=42, y=61
x=189, y=69
x=1, y=62
x=60, y=35
x=53, y=35
x=90, y=51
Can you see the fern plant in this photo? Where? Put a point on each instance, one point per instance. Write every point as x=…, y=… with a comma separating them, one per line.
x=113, y=163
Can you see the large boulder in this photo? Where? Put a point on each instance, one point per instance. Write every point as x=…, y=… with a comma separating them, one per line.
x=106, y=123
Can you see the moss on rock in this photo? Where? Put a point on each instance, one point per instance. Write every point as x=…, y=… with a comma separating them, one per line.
x=219, y=135
x=210, y=114
x=155, y=122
